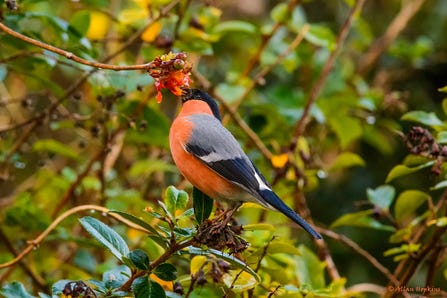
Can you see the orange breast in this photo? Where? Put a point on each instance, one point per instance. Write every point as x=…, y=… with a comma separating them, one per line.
x=195, y=171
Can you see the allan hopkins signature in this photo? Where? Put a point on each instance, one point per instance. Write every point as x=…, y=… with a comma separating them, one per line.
x=419, y=290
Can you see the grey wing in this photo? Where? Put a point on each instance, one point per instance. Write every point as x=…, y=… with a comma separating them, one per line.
x=215, y=146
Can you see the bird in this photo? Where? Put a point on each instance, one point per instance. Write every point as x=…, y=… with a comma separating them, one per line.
x=212, y=160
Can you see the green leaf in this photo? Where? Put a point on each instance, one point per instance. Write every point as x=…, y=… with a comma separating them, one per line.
x=310, y=270
x=175, y=199
x=229, y=258
x=280, y=13
x=347, y=129
x=402, y=170
x=234, y=26
x=203, y=205
x=321, y=36
x=80, y=21
x=361, y=219
x=443, y=89
x=441, y=222
x=429, y=119
x=440, y=185
x=444, y=106
x=136, y=221
x=140, y=259
x=14, y=290
x=346, y=160
x=166, y=271
x=282, y=247
x=407, y=203
x=382, y=196
x=441, y=137
x=106, y=236
x=56, y=147
x=147, y=167
x=143, y=287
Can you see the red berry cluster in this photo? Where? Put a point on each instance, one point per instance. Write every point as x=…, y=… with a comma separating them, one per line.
x=170, y=71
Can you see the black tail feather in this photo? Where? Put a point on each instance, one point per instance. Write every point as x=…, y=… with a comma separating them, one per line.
x=272, y=199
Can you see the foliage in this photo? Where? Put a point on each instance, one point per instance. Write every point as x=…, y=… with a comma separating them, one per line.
x=340, y=104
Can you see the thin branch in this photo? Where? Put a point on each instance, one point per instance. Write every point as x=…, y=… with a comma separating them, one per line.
x=36, y=278
x=418, y=234
x=66, y=54
x=164, y=11
x=173, y=248
x=398, y=24
x=70, y=191
x=39, y=239
x=354, y=246
x=318, y=86
x=265, y=40
x=264, y=71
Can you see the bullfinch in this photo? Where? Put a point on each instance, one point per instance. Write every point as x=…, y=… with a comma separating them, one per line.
x=212, y=160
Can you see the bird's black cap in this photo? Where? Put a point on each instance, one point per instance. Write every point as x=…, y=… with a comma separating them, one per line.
x=197, y=94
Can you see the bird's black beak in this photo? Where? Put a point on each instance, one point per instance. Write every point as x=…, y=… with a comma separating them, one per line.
x=187, y=94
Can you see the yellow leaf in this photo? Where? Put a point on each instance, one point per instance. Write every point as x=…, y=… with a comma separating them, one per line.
x=197, y=263
x=99, y=24
x=239, y=281
x=151, y=32
x=279, y=161
x=167, y=285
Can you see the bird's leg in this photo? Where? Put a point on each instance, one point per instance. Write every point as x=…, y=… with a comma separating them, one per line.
x=225, y=217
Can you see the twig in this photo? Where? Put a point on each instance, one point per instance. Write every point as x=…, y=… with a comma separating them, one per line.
x=367, y=287
x=36, y=242
x=36, y=278
x=318, y=86
x=181, y=15
x=23, y=137
x=82, y=79
x=265, y=40
x=406, y=263
x=70, y=191
x=398, y=24
x=261, y=74
x=66, y=54
x=173, y=248
x=354, y=246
